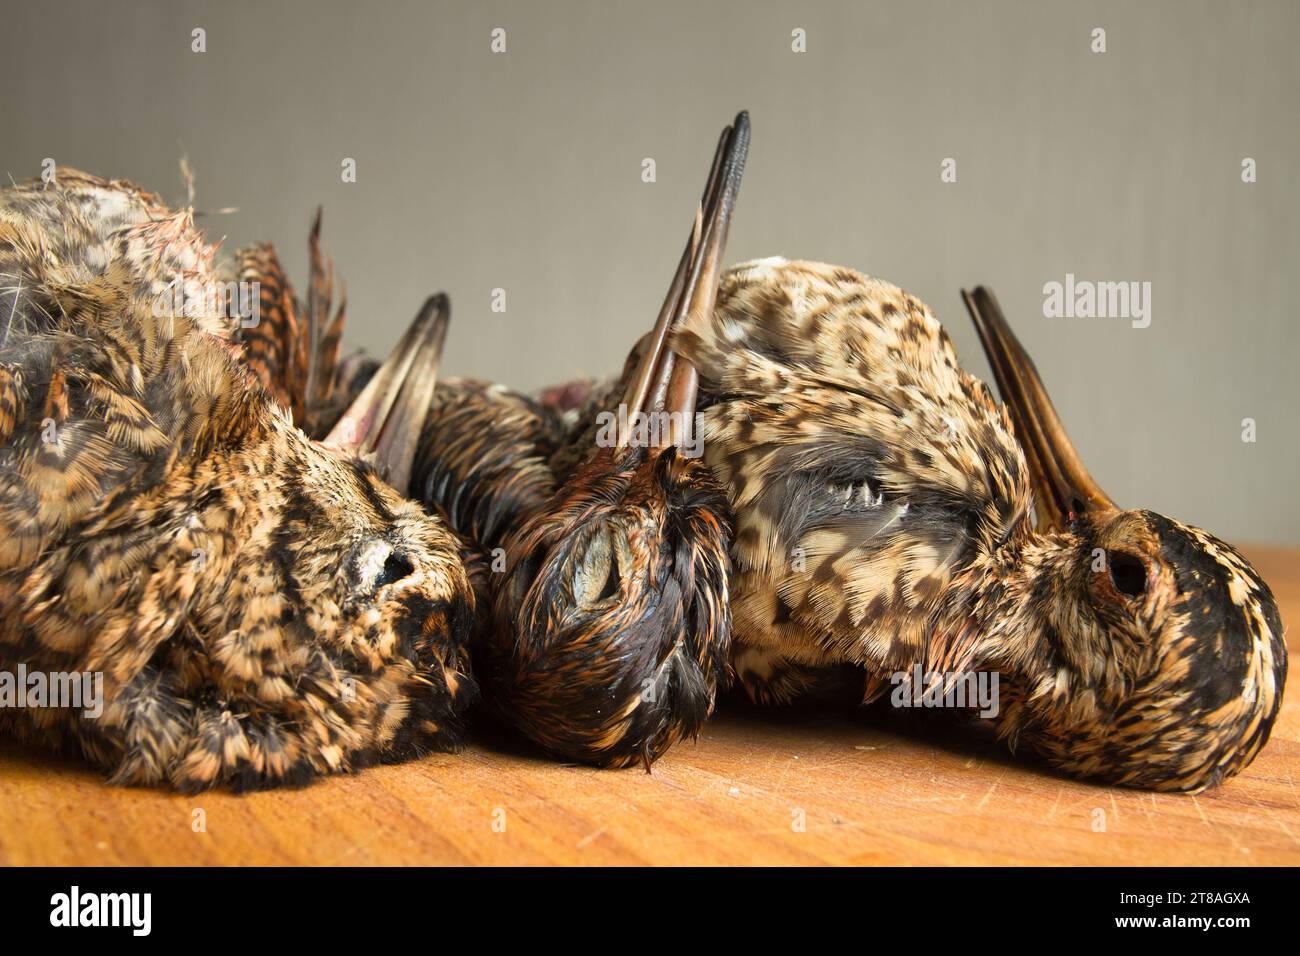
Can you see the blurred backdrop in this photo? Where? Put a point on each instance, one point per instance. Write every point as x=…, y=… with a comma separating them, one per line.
x=523, y=171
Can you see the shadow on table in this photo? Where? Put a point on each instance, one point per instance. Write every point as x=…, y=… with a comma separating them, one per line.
x=819, y=721
x=942, y=730
x=938, y=730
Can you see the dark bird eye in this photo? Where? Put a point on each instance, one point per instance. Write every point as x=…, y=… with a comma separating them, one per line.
x=396, y=567
x=611, y=582
x=1127, y=573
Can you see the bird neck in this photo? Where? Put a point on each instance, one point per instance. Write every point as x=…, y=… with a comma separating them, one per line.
x=1025, y=603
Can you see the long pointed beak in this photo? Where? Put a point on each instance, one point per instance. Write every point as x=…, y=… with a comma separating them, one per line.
x=660, y=379
x=383, y=423
x=1063, y=487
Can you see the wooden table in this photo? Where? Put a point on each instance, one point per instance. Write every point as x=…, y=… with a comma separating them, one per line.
x=761, y=788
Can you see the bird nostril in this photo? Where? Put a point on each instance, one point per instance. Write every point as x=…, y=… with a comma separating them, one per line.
x=396, y=567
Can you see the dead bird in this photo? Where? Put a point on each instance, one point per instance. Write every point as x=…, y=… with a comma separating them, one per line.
x=610, y=623
x=885, y=504
x=262, y=608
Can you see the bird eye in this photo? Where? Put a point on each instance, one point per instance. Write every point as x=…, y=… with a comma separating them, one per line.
x=598, y=577
x=396, y=566
x=611, y=583
x=1127, y=573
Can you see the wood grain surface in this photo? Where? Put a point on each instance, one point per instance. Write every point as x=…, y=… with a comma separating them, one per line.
x=758, y=788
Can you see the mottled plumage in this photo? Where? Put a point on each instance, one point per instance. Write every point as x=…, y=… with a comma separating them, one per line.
x=884, y=518
x=484, y=458
x=293, y=347
x=610, y=624
x=864, y=466
x=262, y=608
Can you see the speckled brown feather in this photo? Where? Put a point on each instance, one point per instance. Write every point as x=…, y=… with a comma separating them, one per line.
x=293, y=347
x=611, y=621
x=885, y=518
x=271, y=345
x=483, y=458
x=865, y=467
x=262, y=609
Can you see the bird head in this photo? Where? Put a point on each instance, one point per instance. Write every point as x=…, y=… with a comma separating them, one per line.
x=371, y=563
x=614, y=609
x=359, y=570
x=613, y=623
x=325, y=595
x=1156, y=656
x=165, y=523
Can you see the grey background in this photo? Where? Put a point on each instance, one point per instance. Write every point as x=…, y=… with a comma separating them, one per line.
x=522, y=171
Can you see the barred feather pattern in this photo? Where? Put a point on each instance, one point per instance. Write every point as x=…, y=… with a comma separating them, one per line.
x=164, y=525
x=293, y=347
x=884, y=519
x=483, y=458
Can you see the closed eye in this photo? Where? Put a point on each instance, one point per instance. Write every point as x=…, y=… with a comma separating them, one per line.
x=597, y=575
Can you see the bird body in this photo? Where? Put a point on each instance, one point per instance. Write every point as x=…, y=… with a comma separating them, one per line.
x=262, y=608
x=866, y=468
x=885, y=505
x=610, y=619
x=485, y=458
x=892, y=515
